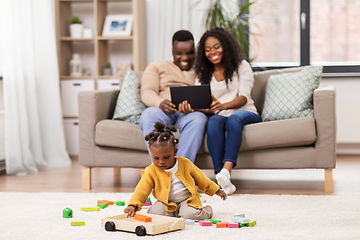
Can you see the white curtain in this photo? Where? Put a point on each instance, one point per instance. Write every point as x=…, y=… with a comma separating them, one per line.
x=165, y=17
x=34, y=135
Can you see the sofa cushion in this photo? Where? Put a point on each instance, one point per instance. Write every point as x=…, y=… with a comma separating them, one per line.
x=290, y=95
x=129, y=105
x=276, y=134
x=110, y=133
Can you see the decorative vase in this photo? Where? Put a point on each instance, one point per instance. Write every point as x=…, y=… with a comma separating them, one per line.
x=107, y=72
x=76, y=30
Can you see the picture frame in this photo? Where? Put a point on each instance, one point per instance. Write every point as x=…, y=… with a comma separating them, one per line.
x=118, y=25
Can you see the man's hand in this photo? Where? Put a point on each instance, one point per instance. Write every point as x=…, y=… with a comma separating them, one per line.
x=185, y=107
x=222, y=194
x=216, y=105
x=168, y=107
x=130, y=210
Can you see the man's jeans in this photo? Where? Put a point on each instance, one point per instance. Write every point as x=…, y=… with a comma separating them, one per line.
x=191, y=127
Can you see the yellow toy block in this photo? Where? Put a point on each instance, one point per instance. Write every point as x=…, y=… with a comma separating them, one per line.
x=78, y=223
x=90, y=209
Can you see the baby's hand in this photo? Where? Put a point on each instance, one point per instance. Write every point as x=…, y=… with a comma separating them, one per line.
x=130, y=210
x=222, y=194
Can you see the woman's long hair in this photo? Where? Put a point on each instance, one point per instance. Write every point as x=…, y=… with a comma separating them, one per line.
x=231, y=57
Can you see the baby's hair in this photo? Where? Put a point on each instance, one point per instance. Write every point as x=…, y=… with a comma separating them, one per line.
x=162, y=135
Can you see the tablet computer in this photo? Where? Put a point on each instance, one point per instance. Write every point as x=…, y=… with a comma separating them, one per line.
x=199, y=96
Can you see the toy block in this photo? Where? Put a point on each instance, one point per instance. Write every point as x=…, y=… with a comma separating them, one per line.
x=205, y=223
x=221, y=225
x=240, y=220
x=241, y=225
x=250, y=224
x=239, y=215
x=189, y=221
x=212, y=220
x=120, y=203
x=103, y=205
x=78, y=223
x=142, y=218
x=148, y=203
x=148, y=199
x=233, y=225
x=90, y=209
x=105, y=201
x=67, y=213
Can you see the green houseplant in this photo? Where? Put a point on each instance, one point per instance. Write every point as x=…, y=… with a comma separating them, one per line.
x=222, y=14
x=107, y=69
x=76, y=27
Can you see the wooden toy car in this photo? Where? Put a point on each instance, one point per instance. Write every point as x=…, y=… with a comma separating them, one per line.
x=158, y=224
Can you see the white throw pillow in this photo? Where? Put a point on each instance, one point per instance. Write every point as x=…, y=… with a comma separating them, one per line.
x=290, y=95
x=129, y=105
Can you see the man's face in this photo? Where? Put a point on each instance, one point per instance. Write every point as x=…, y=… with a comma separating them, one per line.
x=184, y=54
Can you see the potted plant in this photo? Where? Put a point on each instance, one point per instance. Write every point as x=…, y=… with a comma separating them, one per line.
x=222, y=14
x=107, y=69
x=76, y=27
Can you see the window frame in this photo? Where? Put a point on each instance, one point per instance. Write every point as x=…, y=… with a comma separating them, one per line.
x=329, y=71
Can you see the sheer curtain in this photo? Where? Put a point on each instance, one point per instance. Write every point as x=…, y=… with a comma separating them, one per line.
x=34, y=135
x=165, y=17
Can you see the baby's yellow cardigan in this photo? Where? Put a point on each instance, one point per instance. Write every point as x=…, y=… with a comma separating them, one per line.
x=159, y=182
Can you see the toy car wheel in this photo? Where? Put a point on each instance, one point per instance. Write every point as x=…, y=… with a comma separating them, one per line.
x=110, y=226
x=140, y=230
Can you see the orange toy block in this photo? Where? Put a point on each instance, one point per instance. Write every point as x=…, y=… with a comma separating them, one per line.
x=221, y=225
x=142, y=218
x=105, y=201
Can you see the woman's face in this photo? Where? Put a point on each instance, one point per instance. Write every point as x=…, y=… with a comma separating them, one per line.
x=213, y=50
x=163, y=156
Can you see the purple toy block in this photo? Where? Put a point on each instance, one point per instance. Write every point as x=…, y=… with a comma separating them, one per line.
x=205, y=223
x=148, y=204
x=233, y=225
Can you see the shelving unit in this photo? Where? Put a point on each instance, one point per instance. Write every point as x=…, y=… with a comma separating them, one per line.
x=97, y=50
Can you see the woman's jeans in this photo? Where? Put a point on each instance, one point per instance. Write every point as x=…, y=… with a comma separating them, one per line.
x=224, y=136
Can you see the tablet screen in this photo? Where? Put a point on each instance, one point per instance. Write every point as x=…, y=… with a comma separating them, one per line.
x=199, y=96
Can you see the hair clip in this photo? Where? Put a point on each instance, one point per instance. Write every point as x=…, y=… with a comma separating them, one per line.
x=165, y=138
x=153, y=137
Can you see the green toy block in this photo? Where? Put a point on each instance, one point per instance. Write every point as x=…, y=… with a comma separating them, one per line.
x=148, y=199
x=67, y=213
x=241, y=225
x=213, y=220
x=120, y=203
x=103, y=205
x=250, y=224
x=78, y=223
x=90, y=209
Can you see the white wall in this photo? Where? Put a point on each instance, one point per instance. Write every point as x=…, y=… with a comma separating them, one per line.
x=347, y=113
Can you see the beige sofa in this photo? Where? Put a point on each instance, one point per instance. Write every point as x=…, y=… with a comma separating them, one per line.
x=286, y=144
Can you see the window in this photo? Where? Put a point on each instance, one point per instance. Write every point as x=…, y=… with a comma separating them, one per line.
x=302, y=32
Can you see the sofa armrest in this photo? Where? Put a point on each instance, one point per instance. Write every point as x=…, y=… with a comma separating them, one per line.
x=325, y=118
x=93, y=107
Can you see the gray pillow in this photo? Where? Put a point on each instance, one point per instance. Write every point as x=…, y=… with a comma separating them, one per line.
x=129, y=105
x=290, y=95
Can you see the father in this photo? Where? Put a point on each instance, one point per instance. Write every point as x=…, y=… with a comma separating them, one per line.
x=155, y=93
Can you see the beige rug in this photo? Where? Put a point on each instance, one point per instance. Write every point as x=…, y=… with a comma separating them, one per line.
x=39, y=216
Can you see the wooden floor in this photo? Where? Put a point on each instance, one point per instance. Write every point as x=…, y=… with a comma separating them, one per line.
x=346, y=178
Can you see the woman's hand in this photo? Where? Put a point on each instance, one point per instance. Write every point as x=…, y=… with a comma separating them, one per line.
x=185, y=107
x=130, y=210
x=216, y=105
x=168, y=107
x=222, y=194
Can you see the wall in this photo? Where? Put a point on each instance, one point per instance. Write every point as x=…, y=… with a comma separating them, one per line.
x=347, y=113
